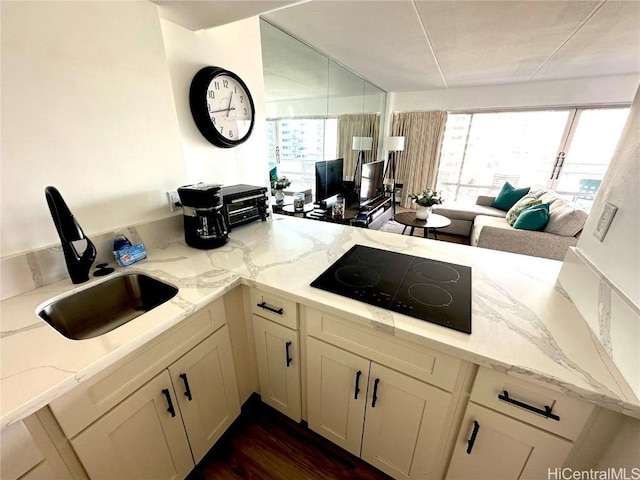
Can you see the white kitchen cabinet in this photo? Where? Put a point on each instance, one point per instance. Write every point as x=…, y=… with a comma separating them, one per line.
x=29, y=451
x=278, y=357
x=389, y=419
x=493, y=446
x=20, y=453
x=206, y=388
x=143, y=437
x=180, y=412
x=337, y=383
x=515, y=429
x=79, y=408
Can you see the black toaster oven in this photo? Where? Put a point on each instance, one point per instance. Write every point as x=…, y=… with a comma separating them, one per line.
x=244, y=204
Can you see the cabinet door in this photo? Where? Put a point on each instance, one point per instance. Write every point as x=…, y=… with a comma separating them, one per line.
x=278, y=358
x=205, y=383
x=404, y=423
x=337, y=394
x=503, y=448
x=138, y=439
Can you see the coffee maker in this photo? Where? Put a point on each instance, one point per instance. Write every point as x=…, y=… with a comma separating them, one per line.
x=204, y=223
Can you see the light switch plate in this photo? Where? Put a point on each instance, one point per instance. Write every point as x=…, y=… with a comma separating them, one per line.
x=604, y=222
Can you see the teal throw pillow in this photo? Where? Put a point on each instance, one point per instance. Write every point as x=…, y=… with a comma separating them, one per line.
x=534, y=218
x=508, y=196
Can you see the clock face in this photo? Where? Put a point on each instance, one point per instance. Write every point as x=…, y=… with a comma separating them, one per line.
x=221, y=106
x=229, y=107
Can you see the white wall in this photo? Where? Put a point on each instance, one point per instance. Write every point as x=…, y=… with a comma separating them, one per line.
x=236, y=47
x=591, y=91
x=618, y=256
x=87, y=107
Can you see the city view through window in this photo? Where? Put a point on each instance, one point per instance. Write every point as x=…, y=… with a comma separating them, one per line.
x=296, y=144
x=565, y=150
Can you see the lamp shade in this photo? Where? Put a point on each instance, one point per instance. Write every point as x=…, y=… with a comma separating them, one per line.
x=395, y=144
x=362, y=143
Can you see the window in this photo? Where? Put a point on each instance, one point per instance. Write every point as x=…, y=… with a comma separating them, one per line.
x=295, y=145
x=565, y=150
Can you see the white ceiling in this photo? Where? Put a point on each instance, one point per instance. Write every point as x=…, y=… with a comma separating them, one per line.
x=415, y=45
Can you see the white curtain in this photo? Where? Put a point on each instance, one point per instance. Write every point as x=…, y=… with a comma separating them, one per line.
x=417, y=165
x=360, y=125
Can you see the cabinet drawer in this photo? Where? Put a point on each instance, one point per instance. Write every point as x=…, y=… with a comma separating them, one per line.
x=522, y=395
x=415, y=360
x=275, y=308
x=88, y=401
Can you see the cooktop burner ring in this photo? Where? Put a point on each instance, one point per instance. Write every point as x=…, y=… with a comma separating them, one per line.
x=430, y=295
x=357, y=276
x=436, y=272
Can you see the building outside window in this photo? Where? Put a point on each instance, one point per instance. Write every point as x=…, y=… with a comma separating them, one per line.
x=295, y=145
x=567, y=150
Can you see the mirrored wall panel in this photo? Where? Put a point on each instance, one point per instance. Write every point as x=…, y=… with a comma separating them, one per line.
x=315, y=107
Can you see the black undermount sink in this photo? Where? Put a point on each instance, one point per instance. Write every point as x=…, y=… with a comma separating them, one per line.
x=105, y=306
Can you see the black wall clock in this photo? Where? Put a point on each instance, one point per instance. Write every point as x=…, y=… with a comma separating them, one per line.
x=221, y=106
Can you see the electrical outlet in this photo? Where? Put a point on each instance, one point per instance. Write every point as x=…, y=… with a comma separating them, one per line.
x=174, y=200
x=604, y=222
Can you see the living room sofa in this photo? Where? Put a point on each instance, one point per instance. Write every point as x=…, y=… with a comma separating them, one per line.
x=488, y=227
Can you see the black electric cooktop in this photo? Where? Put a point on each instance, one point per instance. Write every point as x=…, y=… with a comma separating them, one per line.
x=434, y=291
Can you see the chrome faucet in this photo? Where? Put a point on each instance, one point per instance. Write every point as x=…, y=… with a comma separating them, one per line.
x=70, y=231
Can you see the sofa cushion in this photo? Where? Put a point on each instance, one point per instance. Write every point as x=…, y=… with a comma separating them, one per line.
x=508, y=196
x=497, y=234
x=465, y=211
x=533, y=218
x=525, y=202
x=548, y=196
x=566, y=219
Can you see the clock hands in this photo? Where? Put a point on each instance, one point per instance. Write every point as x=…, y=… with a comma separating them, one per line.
x=223, y=110
x=229, y=109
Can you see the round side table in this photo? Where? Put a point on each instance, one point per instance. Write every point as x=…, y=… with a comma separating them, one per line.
x=433, y=222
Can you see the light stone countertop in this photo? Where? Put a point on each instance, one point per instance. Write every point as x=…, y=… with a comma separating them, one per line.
x=523, y=322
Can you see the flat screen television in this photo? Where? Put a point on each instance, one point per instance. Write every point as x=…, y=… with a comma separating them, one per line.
x=328, y=178
x=371, y=183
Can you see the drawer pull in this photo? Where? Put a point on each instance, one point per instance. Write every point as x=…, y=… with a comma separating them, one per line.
x=504, y=396
x=287, y=352
x=357, y=389
x=265, y=306
x=375, y=393
x=472, y=440
x=170, y=409
x=187, y=390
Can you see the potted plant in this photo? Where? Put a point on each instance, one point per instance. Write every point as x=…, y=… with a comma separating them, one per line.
x=277, y=186
x=425, y=201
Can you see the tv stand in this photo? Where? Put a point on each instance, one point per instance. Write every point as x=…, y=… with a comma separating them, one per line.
x=373, y=216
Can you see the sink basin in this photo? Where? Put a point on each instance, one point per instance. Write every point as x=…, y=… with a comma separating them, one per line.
x=105, y=306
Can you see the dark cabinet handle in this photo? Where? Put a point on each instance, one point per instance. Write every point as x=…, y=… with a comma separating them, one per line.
x=187, y=390
x=264, y=306
x=170, y=409
x=504, y=396
x=357, y=389
x=287, y=346
x=472, y=439
x=375, y=393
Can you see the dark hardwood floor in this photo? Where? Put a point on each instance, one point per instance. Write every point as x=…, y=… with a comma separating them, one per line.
x=264, y=444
